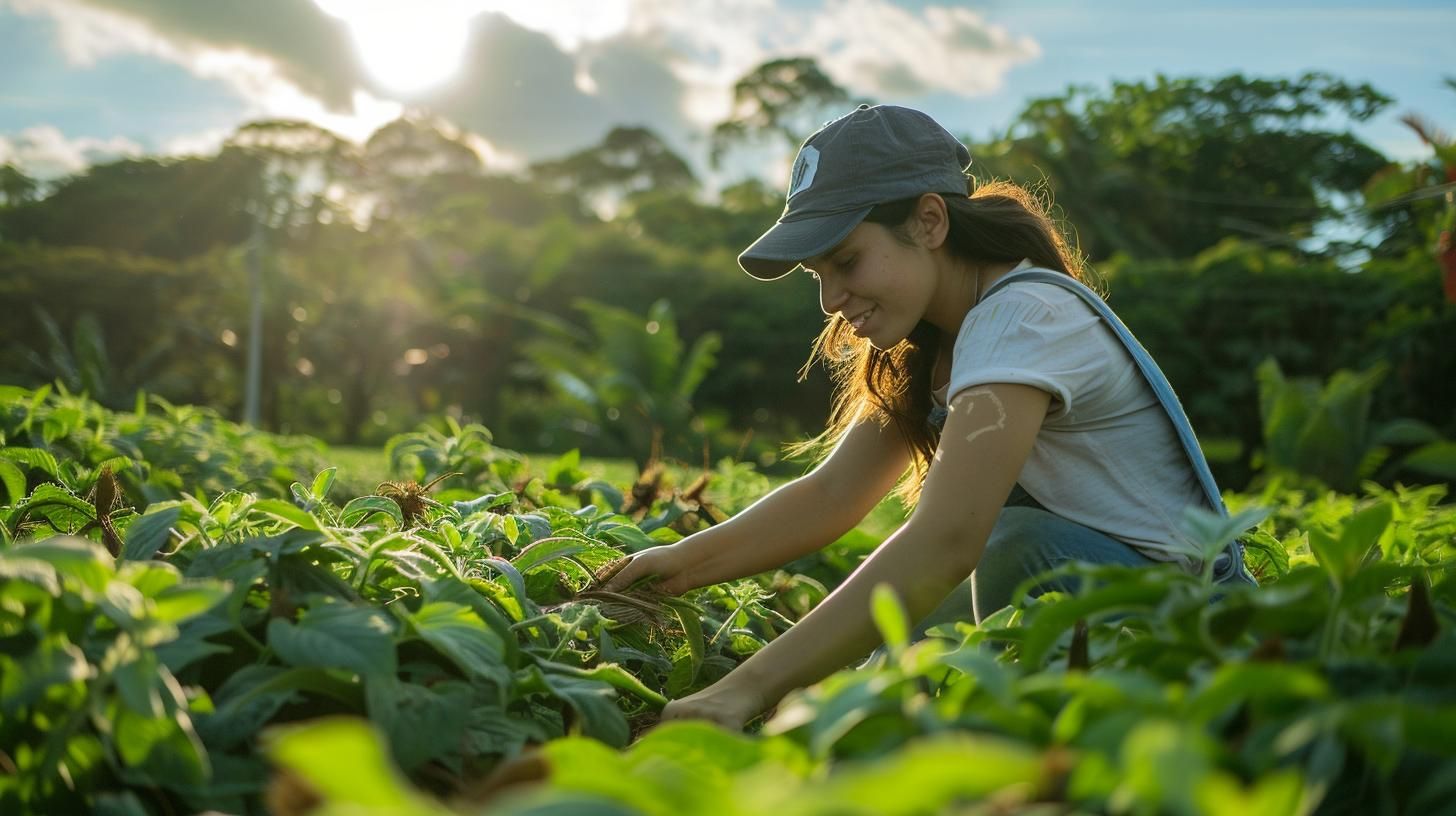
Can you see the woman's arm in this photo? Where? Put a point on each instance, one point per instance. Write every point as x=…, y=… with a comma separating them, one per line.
x=987, y=437
x=794, y=520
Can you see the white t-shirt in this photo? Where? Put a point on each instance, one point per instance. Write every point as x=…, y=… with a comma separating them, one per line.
x=1107, y=456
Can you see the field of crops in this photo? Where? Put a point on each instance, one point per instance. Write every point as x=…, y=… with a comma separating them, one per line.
x=198, y=618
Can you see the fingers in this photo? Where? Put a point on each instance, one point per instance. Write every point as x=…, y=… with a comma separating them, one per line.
x=605, y=575
x=621, y=574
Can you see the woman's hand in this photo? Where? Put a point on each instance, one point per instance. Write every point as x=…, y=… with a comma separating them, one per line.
x=665, y=569
x=726, y=703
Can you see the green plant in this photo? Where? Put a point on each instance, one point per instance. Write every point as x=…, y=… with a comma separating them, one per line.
x=1324, y=431
x=629, y=378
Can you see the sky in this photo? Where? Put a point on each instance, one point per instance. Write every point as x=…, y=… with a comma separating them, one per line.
x=85, y=81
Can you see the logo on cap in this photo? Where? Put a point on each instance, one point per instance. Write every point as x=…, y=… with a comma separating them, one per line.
x=804, y=169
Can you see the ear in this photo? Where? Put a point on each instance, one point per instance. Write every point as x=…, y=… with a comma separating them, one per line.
x=931, y=221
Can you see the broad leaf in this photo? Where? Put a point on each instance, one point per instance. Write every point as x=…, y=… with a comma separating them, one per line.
x=337, y=635
x=149, y=533
x=460, y=635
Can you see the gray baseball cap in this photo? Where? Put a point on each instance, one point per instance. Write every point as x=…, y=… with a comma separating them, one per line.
x=872, y=155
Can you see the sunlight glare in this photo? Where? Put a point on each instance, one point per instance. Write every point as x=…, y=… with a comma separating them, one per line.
x=408, y=47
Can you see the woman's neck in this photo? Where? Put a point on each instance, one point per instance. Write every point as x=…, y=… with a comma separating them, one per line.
x=964, y=284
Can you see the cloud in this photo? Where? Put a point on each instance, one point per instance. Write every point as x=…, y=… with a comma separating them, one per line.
x=880, y=49
x=44, y=152
x=525, y=95
x=873, y=48
x=292, y=39
x=543, y=77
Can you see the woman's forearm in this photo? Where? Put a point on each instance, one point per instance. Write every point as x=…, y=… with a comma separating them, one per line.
x=788, y=523
x=921, y=567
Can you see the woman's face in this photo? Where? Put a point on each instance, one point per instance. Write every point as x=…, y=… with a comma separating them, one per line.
x=879, y=285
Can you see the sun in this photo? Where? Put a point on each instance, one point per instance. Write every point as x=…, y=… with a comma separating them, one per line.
x=408, y=47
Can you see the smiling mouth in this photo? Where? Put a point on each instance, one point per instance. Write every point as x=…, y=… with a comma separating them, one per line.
x=859, y=320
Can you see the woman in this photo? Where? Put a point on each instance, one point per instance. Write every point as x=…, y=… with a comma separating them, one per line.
x=1035, y=428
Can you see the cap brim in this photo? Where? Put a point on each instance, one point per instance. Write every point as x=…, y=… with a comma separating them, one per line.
x=789, y=243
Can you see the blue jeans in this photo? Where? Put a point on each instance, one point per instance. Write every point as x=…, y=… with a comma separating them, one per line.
x=1027, y=540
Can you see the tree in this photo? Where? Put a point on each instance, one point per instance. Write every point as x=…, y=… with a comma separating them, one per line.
x=1169, y=168
x=781, y=101
x=16, y=187
x=167, y=208
x=407, y=157
x=1410, y=205
x=629, y=161
x=628, y=378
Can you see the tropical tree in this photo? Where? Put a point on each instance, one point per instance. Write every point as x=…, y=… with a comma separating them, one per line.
x=627, y=379
x=1416, y=204
x=628, y=161
x=780, y=102
x=1171, y=167
x=15, y=186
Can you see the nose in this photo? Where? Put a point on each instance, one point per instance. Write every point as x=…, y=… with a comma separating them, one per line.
x=831, y=297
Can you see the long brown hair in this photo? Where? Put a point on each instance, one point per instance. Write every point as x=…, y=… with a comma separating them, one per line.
x=999, y=222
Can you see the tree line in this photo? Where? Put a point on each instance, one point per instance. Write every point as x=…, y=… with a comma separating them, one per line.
x=403, y=279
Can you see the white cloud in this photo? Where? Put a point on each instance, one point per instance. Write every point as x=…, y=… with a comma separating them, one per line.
x=873, y=48
x=544, y=77
x=44, y=152
x=883, y=50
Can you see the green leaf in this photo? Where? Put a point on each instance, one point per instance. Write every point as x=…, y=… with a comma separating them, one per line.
x=64, y=510
x=1235, y=683
x=460, y=635
x=357, y=510
x=322, y=482
x=490, y=501
x=595, y=706
x=687, y=614
x=932, y=775
x=13, y=478
x=1341, y=557
x=344, y=759
x=565, y=470
x=419, y=723
x=548, y=550
x=248, y=699
x=33, y=458
x=1437, y=459
x=178, y=603
x=44, y=671
x=336, y=635
x=137, y=686
x=149, y=533
x=283, y=511
x=76, y=561
x=890, y=617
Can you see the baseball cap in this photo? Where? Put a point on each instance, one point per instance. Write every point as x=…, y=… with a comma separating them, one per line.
x=870, y=156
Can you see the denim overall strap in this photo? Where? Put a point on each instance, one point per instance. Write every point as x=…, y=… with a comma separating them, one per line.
x=1161, y=388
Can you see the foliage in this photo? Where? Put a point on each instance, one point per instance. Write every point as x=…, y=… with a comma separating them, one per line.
x=628, y=160
x=630, y=379
x=156, y=679
x=1323, y=691
x=1324, y=432
x=392, y=269
x=1211, y=321
x=1168, y=168
x=230, y=611
x=158, y=451
x=1406, y=198
x=783, y=100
